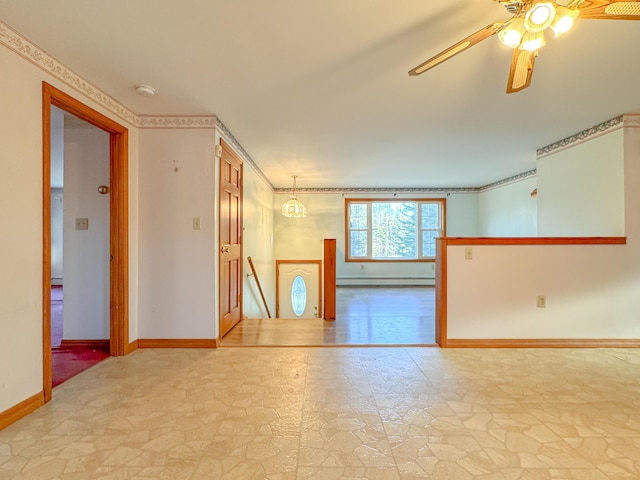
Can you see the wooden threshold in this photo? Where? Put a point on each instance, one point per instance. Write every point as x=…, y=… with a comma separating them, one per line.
x=102, y=345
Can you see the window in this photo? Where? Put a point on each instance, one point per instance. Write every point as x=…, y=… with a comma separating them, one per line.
x=393, y=230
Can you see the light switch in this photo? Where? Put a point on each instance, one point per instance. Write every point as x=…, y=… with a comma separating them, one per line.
x=196, y=223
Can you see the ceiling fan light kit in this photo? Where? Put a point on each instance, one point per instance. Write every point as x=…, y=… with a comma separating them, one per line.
x=525, y=31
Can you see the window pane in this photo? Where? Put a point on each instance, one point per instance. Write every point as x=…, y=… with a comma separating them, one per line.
x=430, y=213
x=393, y=230
x=358, y=244
x=357, y=215
x=429, y=243
x=298, y=296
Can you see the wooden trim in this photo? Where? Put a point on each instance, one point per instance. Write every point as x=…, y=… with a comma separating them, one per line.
x=330, y=280
x=177, y=343
x=103, y=345
x=119, y=225
x=543, y=343
x=21, y=410
x=536, y=241
x=47, y=379
x=302, y=262
x=441, y=292
x=132, y=347
x=443, y=212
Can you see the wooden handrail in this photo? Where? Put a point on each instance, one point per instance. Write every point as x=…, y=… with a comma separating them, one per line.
x=255, y=275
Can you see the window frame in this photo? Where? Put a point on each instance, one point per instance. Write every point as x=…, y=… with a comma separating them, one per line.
x=441, y=202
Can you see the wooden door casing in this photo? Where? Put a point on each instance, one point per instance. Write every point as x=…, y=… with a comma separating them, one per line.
x=230, y=239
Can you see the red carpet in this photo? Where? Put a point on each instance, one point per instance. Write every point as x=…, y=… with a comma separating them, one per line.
x=69, y=362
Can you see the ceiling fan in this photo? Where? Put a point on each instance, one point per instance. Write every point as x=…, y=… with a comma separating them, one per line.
x=525, y=31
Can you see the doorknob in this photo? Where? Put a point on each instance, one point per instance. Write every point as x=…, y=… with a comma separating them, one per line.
x=225, y=249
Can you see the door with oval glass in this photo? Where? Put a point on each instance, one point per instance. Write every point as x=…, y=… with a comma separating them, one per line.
x=299, y=288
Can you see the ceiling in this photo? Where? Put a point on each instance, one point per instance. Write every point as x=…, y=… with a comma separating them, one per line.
x=320, y=88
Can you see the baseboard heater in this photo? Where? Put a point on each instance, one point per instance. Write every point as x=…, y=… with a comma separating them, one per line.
x=385, y=281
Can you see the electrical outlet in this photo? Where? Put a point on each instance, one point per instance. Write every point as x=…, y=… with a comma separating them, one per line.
x=541, y=301
x=468, y=253
x=196, y=223
x=82, y=224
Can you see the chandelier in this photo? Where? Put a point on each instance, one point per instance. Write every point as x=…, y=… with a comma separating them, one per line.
x=293, y=208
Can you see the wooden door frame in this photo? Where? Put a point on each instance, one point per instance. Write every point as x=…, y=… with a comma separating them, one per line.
x=300, y=262
x=118, y=212
x=227, y=148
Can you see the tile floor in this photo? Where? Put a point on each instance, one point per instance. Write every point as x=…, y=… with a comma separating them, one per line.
x=330, y=413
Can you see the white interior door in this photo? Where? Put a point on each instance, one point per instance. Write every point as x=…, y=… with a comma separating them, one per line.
x=298, y=290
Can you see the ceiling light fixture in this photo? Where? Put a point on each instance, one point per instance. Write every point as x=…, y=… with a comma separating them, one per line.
x=563, y=21
x=539, y=16
x=145, y=90
x=293, y=208
x=526, y=30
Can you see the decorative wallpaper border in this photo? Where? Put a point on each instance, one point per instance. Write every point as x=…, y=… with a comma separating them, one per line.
x=509, y=180
x=589, y=133
x=176, y=121
x=240, y=149
x=31, y=52
x=381, y=190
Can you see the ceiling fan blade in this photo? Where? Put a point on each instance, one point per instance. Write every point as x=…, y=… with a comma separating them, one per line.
x=459, y=47
x=610, y=10
x=521, y=70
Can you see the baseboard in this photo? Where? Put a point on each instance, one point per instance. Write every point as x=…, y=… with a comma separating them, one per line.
x=177, y=343
x=543, y=343
x=102, y=345
x=132, y=347
x=21, y=410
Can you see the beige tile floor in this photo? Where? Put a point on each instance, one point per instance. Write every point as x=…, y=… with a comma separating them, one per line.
x=330, y=413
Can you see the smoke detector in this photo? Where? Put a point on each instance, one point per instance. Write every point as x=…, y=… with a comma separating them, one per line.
x=145, y=90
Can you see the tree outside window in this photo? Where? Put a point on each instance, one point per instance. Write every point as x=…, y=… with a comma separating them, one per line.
x=393, y=230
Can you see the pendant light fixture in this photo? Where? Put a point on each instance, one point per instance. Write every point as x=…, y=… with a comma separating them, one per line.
x=293, y=208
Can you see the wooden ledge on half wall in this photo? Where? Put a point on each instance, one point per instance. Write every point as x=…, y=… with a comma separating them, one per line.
x=534, y=240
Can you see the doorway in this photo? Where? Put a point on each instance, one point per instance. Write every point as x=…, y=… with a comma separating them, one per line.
x=117, y=254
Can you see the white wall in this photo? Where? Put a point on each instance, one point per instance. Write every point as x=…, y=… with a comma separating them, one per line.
x=509, y=210
x=57, y=236
x=177, y=273
x=302, y=238
x=86, y=252
x=580, y=189
x=21, y=240
x=258, y=244
x=57, y=197
x=591, y=290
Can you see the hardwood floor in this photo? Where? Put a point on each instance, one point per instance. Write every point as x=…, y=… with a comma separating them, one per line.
x=364, y=316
